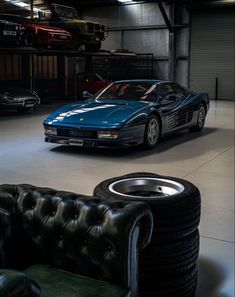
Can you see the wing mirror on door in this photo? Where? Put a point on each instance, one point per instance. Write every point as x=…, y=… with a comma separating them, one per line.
x=171, y=97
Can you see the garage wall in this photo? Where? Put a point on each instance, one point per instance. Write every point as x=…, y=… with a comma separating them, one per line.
x=212, y=52
x=136, y=27
x=141, y=28
x=122, y=20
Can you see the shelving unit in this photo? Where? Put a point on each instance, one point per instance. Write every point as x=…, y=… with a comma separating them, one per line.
x=53, y=72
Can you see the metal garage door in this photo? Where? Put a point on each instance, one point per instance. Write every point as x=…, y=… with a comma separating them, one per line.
x=212, y=52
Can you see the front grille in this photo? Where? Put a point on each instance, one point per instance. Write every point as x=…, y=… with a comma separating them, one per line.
x=73, y=132
x=10, y=27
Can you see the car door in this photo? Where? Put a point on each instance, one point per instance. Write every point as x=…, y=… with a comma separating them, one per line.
x=170, y=102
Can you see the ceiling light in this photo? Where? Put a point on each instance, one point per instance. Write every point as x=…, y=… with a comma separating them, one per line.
x=23, y=5
x=125, y=1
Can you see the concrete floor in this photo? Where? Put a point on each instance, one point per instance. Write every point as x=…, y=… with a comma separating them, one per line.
x=206, y=159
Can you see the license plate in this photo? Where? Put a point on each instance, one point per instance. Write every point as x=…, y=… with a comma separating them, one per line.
x=9, y=33
x=63, y=36
x=78, y=142
x=28, y=105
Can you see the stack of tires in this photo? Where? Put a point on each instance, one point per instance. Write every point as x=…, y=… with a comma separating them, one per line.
x=168, y=264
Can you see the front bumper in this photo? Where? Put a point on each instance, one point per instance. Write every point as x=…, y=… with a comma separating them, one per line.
x=117, y=143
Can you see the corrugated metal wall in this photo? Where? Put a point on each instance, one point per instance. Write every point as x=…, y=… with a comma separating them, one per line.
x=136, y=27
x=212, y=52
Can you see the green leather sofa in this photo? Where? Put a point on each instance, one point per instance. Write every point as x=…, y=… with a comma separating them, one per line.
x=61, y=244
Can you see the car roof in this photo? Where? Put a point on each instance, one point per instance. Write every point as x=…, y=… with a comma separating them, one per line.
x=156, y=81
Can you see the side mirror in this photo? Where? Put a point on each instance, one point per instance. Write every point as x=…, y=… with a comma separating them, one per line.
x=171, y=97
x=86, y=95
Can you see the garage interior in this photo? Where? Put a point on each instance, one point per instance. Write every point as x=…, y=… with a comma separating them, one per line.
x=186, y=41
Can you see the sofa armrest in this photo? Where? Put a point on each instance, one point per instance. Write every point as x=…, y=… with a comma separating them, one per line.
x=16, y=284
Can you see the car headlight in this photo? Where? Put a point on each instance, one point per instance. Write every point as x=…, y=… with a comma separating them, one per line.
x=108, y=134
x=50, y=130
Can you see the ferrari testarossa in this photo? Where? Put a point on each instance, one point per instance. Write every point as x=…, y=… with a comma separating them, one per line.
x=127, y=113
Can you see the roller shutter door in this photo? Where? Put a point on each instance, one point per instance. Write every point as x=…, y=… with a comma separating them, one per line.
x=212, y=52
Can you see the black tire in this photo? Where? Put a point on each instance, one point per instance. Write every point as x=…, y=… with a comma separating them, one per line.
x=76, y=41
x=201, y=119
x=29, y=39
x=152, y=132
x=172, y=258
x=175, y=216
x=182, y=285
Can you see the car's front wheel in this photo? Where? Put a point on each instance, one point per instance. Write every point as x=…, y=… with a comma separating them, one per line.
x=29, y=39
x=152, y=132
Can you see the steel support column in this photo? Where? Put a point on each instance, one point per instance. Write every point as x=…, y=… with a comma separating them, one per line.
x=172, y=38
x=31, y=9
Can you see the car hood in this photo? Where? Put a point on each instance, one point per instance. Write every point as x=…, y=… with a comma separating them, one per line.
x=46, y=28
x=93, y=112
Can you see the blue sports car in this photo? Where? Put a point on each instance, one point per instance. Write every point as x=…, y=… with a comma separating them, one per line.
x=127, y=113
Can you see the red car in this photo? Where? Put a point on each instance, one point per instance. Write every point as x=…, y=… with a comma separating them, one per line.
x=38, y=34
x=91, y=82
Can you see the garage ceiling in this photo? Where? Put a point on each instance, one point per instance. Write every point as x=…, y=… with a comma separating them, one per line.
x=22, y=6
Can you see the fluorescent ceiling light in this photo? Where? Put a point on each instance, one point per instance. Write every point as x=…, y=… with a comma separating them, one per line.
x=125, y=1
x=22, y=5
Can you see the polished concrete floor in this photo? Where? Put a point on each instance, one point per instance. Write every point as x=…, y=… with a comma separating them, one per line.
x=204, y=158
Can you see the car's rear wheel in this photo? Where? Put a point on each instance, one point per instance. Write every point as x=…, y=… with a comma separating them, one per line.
x=201, y=119
x=29, y=39
x=76, y=41
x=152, y=132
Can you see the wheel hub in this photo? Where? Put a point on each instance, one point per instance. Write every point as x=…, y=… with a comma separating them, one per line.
x=141, y=187
x=153, y=131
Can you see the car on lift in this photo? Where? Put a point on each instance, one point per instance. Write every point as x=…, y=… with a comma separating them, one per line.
x=87, y=33
x=35, y=34
x=20, y=99
x=127, y=113
x=10, y=32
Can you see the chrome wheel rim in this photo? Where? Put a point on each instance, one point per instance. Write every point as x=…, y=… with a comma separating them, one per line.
x=201, y=117
x=145, y=187
x=153, y=131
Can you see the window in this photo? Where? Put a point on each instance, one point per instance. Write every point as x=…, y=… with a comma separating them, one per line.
x=178, y=91
x=166, y=89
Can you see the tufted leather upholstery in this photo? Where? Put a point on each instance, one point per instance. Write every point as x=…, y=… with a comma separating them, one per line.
x=80, y=234
x=15, y=283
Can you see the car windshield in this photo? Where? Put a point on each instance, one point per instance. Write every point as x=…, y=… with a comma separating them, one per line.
x=65, y=11
x=129, y=91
